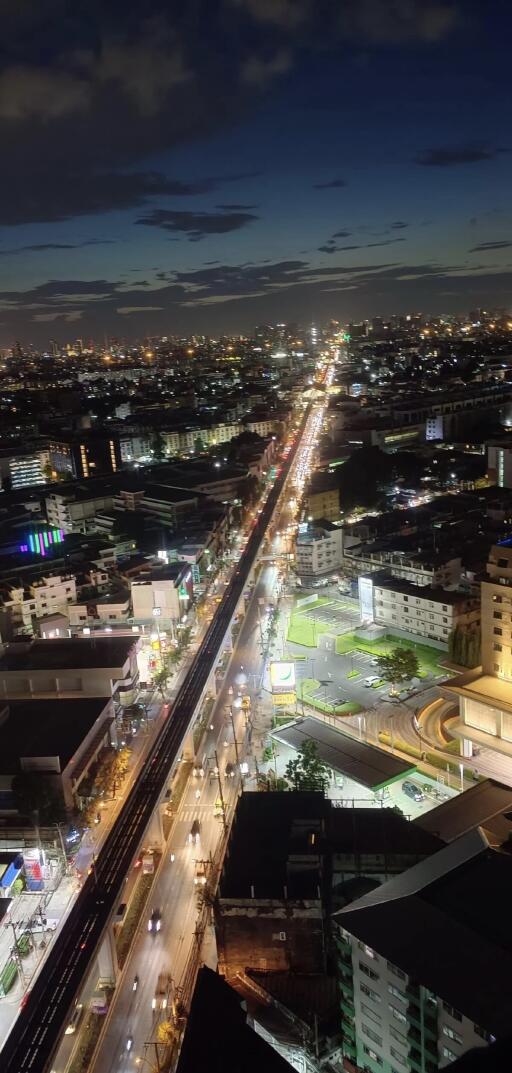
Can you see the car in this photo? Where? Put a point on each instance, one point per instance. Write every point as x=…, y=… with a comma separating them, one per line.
x=413, y=791
x=200, y=876
x=230, y=771
x=374, y=662
x=371, y=680
x=74, y=1021
x=195, y=831
x=155, y=921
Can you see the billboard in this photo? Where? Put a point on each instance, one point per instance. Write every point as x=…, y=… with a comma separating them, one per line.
x=283, y=700
x=282, y=676
x=365, y=585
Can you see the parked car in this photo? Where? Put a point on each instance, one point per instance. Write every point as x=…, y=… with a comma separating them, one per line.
x=413, y=791
x=371, y=680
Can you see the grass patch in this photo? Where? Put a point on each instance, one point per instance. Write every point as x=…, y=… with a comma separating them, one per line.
x=302, y=631
x=354, y=674
x=402, y=746
x=377, y=684
x=135, y=909
x=428, y=657
x=452, y=746
x=309, y=685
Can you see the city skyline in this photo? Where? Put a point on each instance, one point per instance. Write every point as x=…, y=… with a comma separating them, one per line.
x=247, y=162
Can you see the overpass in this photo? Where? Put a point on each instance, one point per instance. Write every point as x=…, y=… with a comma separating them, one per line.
x=36, y=1033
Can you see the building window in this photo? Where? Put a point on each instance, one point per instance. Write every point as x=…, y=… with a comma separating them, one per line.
x=452, y=1011
x=372, y=1054
x=497, y=647
x=368, y=971
x=497, y=614
x=371, y=1014
x=397, y=1014
x=398, y=1036
x=374, y=995
x=447, y=1053
x=496, y=667
x=397, y=993
x=371, y=1035
x=452, y=1034
x=399, y=1057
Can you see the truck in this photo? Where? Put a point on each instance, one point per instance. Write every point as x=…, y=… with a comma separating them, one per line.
x=160, y=998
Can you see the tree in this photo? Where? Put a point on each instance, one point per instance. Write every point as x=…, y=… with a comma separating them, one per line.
x=161, y=679
x=35, y=796
x=399, y=666
x=307, y=771
x=166, y=1033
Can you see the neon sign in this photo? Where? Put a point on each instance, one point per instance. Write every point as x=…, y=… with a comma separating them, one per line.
x=39, y=543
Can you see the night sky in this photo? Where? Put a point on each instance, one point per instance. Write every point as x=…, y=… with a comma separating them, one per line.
x=208, y=165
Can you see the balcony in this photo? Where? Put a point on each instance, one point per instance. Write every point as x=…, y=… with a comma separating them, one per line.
x=347, y=1007
x=414, y=1015
x=415, y=1060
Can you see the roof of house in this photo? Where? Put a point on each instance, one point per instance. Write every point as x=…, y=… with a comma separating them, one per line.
x=66, y=653
x=46, y=728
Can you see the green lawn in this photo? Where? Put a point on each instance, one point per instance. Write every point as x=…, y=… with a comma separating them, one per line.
x=309, y=685
x=302, y=631
x=428, y=657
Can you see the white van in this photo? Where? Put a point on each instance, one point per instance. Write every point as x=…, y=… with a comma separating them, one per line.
x=371, y=680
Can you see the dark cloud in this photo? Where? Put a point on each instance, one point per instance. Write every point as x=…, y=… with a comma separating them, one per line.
x=398, y=225
x=333, y=184
x=197, y=225
x=235, y=207
x=41, y=247
x=502, y=245
x=331, y=247
x=341, y=234
x=448, y=156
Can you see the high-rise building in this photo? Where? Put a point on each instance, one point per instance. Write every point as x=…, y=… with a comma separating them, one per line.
x=485, y=693
x=424, y=962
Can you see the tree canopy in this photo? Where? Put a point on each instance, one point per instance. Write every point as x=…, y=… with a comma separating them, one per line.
x=399, y=666
x=307, y=771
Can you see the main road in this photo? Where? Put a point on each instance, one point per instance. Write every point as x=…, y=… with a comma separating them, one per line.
x=35, y=1035
x=174, y=891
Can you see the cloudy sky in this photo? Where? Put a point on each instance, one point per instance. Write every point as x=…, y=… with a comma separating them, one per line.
x=206, y=165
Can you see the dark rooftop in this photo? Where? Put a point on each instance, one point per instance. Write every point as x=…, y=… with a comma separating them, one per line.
x=363, y=763
x=67, y=652
x=40, y=728
x=217, y=1037
x=268, y=830
x=487, y=805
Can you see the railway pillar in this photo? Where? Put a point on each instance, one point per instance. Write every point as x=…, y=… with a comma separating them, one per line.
x=106, y=959
x=188, y=751
x=155, y=832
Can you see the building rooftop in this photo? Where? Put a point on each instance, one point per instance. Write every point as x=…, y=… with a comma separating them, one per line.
x=46, y=728
x=487, y=805
x=269, y=830
x=438, y=595
x=66, y=653
x=363, y=763
x=445, y=922
x=481, y=687
x=218, y=1038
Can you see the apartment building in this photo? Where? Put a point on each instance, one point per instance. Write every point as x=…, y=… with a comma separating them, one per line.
x=71, y=667
x=499, y=464
x=420, y=568
x=416, y=611
x=318, y=550
x=101, y=608
x=47, y=595
x=74, y=510
x=424, y=962
x=164, y=593
x=322, y=499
